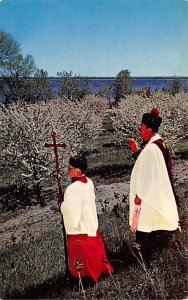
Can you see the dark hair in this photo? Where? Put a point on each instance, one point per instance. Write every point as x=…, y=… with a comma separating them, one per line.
x=79, y=162
x=152, y=120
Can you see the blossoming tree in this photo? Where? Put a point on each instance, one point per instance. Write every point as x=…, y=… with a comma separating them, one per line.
x=26, y=128
x=173, y=110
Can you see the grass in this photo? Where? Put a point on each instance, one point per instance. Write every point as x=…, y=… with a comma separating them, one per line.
x=36, y=269
x=30, y=264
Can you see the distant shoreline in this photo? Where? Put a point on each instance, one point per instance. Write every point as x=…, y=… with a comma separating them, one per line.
x=112, y=78
x=133, y=77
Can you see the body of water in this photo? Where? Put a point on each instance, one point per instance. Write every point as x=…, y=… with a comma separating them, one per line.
x=138, y=82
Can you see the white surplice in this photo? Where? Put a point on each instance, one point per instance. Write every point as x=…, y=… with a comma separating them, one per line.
x=150, y=182
x=79, y=209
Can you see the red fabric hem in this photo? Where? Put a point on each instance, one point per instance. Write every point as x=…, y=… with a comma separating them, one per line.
x=86, y=256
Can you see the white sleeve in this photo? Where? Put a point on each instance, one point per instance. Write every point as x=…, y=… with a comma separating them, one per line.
x=72, y=206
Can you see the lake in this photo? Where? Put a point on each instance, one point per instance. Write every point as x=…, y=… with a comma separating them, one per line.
x=138, y=82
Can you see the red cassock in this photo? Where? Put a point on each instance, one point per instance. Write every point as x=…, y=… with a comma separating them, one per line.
x=86, y=256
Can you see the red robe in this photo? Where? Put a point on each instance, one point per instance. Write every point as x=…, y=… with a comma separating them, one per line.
x=86, y=254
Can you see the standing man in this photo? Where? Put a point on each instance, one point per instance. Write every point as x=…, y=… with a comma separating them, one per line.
x=85, y=248
x=153, y=209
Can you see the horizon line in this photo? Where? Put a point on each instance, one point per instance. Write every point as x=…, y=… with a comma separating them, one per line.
x=111, y=77
x=134, y=77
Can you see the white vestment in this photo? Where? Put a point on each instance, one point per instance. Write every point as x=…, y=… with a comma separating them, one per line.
x=79, y=209
x=150, y=182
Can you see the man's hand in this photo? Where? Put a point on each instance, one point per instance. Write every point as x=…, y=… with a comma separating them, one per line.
x=133, y=145
x=135, y=219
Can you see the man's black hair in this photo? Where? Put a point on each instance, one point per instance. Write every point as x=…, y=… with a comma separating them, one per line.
x=152, y=120
x=79, y=162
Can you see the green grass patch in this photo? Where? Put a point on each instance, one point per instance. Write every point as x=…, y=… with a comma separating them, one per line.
x=29, y=264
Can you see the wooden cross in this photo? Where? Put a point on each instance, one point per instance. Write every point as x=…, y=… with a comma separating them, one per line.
x=55, y=146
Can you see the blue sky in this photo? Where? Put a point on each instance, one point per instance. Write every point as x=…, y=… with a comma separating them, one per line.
x=101, y=37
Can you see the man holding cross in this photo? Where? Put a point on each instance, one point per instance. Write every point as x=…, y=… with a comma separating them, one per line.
x=85, y=248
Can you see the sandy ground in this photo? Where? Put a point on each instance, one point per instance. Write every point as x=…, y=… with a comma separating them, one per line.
x=32, y=221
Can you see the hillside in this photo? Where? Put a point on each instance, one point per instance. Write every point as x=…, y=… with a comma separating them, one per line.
x=32, y=248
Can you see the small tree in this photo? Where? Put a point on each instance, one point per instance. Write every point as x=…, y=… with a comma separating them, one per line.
x=175, y=86
x=122, y=84
x=68, y=85
x=73, y=87
x=41, y=88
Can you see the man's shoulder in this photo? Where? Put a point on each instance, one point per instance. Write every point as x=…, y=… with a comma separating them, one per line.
x=151, y=149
